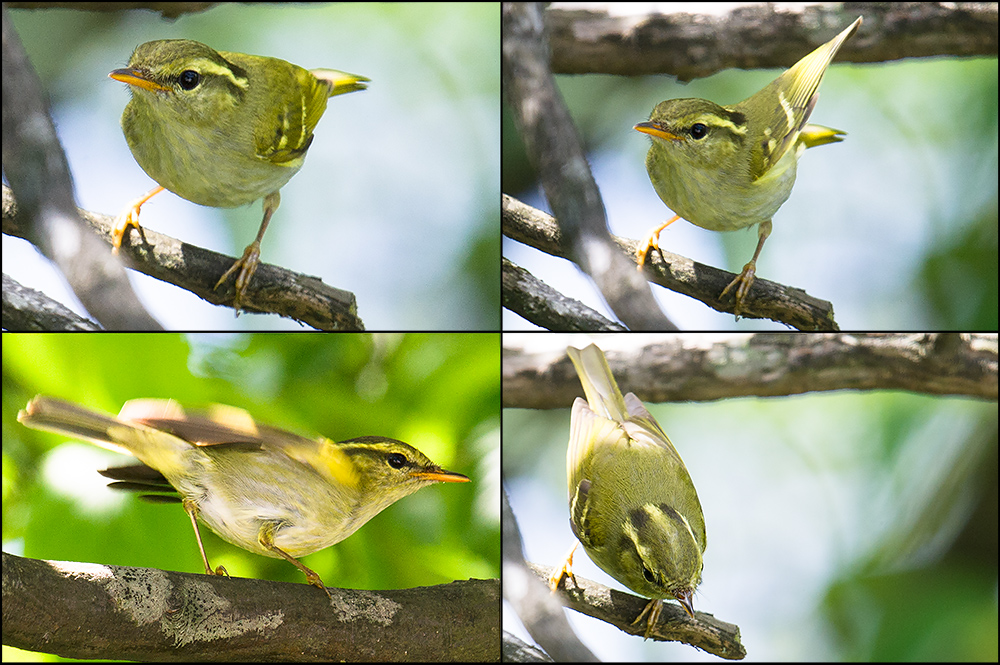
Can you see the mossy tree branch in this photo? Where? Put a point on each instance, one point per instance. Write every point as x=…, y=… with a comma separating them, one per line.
x=95, y=611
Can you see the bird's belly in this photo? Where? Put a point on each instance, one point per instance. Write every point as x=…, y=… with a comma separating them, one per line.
x=709, y=199
x=204, y=167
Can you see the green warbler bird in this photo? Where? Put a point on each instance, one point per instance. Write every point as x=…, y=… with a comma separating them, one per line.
x=261, y=488
x=633, y=505
x=221, y=129
x=729, y=167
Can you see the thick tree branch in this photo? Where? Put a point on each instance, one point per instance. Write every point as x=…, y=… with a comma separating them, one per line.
x=676, y=367
x=632, y=40
x=95, y=611
x=784, y=304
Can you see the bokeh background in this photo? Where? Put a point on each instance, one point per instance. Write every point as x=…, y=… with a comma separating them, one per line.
x=440, y=393
x=896, y=225
x=845, y=525
x=397, y=201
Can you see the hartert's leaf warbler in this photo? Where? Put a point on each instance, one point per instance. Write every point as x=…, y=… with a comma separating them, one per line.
x=632, y=503
x=729, y=167
x=221, y=129
x=261, y=488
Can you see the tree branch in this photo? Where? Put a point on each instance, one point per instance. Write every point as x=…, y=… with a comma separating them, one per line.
x=608, y=39
x=784, y=304
x=272, y=290
x=669, y=368
x=95, y=611
x=620, y=609
x=542, y=305
x=28, y=310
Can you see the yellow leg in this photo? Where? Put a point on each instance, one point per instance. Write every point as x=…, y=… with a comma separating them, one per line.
x=247, y=264
x=266, y=538
x=745, y=279
x=129, y=218
x=566, y=570
x=192, y=511
x=652, y=242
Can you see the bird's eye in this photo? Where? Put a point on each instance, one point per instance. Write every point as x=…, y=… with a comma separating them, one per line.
x=698, y=131
x=189, y=79
x=396, y=460
x=648, y=574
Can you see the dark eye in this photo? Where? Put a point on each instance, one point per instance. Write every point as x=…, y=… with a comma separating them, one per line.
x=698, y=131
x=396, y=460
x=189, y=79
x=648, y=574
